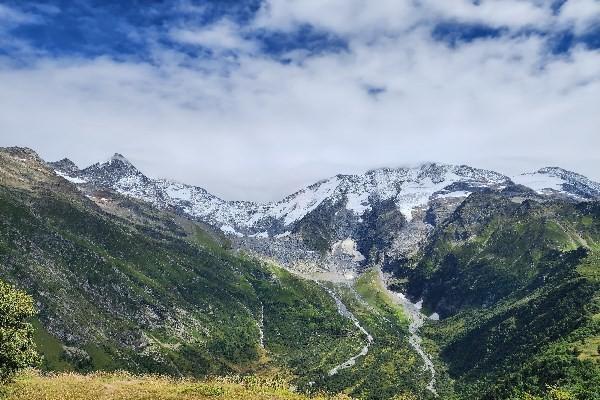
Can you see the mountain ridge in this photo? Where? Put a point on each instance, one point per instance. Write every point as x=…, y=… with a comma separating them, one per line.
x=412, y=188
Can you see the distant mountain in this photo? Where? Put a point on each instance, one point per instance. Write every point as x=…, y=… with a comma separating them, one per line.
x=554, y=180
x=411, y=190
x=384, y=212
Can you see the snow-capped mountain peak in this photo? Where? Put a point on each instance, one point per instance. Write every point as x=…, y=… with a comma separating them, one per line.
x=410, y=189
x=555, y=180
x=117, y=157
x=66, y=166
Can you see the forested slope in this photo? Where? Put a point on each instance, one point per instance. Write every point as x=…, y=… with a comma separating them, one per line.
x=517, y=285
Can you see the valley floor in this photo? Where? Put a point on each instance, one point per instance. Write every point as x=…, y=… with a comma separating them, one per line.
x=32, y=385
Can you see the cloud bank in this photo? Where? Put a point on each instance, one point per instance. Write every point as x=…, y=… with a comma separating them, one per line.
x=255, y=105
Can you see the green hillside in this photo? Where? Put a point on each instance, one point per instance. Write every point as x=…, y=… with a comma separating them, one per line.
x=518, y=285
x=115, y=293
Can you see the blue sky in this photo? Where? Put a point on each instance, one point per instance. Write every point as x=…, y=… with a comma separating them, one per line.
x=252, y=99
x=130, y=29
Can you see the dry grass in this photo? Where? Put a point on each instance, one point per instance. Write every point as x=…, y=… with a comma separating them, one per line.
x=32, y=385
x=589, y=350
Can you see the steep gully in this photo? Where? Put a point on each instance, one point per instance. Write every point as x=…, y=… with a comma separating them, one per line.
x=416, y=319
x=343, y=311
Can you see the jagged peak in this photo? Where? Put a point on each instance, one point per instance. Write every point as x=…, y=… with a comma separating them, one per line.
x=411, y=187
x=117, y=160
x=120, y=158
x=65, y=165
x=66, y=161
x=112, y=171
x=65, y=168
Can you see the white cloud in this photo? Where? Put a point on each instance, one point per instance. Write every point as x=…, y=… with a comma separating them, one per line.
x=581, y=14
x=507, y=13
x=260, y=129
x=351, y=17
x=222, y=35
x=340, y=16
x=359, y=17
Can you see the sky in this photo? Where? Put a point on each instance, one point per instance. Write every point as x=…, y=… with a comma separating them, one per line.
x=253, y=99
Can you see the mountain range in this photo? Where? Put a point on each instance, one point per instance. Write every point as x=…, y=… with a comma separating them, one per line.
x=337, y=216
x=411, y=190
x=437, y=281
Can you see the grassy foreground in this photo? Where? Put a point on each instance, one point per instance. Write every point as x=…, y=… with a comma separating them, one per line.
x=32, y=385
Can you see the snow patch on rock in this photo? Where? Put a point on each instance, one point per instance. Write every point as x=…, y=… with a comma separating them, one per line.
x=230, y=230
x=71, y=179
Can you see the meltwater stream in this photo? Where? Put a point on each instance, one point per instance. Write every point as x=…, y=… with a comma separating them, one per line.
x=413, y=310
x=343, y=311
x=417, y=319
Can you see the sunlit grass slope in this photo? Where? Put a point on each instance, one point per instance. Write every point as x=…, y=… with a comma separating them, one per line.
x=123, y=386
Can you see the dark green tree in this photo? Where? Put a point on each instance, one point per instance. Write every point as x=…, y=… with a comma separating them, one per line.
x=17, y=348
